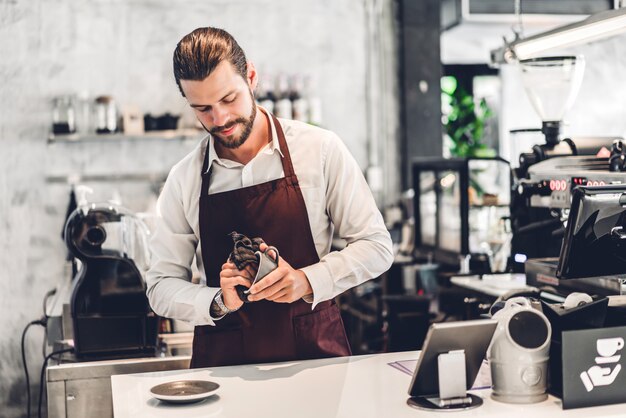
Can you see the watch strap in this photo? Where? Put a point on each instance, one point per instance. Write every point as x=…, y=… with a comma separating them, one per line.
x=221, y=306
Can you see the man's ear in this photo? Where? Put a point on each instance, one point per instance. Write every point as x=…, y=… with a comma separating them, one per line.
x=253, y=77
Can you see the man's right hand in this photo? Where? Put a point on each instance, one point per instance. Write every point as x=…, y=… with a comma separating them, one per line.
x=231, y=277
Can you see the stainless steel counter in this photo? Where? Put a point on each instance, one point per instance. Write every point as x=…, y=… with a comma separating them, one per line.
x=84, y=389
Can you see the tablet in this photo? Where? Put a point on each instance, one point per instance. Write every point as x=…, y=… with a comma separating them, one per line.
x=471, y=336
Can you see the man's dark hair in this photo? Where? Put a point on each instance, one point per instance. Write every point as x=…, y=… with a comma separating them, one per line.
x=200, y=51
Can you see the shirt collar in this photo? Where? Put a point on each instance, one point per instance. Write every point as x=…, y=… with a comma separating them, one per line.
x=270, y=148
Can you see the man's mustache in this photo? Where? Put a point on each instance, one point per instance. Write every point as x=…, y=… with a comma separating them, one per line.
x=218, y=129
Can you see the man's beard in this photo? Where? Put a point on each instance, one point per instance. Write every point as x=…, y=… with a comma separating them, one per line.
x=230, y=141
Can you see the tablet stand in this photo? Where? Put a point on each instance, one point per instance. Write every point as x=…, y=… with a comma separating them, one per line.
x=453, y=394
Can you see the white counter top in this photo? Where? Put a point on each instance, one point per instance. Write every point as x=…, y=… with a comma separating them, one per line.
x=350, y=387
x=494, y=285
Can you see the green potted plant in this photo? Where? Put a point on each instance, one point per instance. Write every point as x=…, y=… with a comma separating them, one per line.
x=464, y=121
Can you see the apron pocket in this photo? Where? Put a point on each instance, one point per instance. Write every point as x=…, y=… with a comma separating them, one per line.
x=212, y=348
x=320, y=334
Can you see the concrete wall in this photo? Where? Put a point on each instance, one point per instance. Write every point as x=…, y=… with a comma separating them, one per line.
x=124, y=48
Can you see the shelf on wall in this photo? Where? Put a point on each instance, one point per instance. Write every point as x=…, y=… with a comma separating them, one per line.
x=169, y=135
x=156, y=178
x=488, y=205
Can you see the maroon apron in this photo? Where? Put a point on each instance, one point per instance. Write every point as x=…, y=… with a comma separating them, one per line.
x=263, y=331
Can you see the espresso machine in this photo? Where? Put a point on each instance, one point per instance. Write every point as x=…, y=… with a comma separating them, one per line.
x=105, y=311
x=551, y=84
x=548, y=175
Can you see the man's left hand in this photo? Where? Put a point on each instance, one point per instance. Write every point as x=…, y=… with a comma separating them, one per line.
x=284, y=285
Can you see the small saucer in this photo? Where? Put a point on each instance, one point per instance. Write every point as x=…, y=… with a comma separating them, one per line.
x=184, y=391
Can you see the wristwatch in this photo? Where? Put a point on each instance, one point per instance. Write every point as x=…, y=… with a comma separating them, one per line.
x=220, y=305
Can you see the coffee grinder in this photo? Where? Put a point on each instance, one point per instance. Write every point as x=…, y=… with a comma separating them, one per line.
x=552, y=84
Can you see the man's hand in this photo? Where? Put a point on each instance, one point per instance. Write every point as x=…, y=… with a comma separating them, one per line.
x=231, y=277
x=284, y=285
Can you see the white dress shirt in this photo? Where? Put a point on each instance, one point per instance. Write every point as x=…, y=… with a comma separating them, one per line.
x=336, y=196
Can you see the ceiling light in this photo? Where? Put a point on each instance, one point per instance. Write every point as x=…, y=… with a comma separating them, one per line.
x=598, y=26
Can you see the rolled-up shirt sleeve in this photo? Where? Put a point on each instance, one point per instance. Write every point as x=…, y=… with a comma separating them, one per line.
x=356, y=219
x=173, y=245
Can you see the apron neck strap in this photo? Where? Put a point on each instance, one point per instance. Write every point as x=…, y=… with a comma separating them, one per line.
x=287, y=165
x=286, y=161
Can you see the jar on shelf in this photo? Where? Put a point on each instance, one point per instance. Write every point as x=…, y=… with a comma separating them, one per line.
x=105, y=115
x=63, y=115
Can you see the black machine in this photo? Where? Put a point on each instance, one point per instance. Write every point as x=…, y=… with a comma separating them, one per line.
x=547, y=176
x=579, y=211
x=592, y=257
x=541, y=198
x=595, y=239
x=110, y=312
